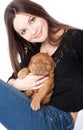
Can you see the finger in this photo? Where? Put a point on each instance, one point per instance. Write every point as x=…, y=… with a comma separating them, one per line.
x=37, y=87
x=41, y=81
x=38, y=82
x=30, y=74
x=34, y=84
x=36, y=76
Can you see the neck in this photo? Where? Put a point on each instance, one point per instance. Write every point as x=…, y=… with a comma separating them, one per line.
x=48, y=48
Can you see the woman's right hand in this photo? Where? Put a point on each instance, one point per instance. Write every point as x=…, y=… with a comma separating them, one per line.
x=29, y=82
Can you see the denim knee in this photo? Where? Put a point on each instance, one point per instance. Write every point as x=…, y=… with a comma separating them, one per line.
x=60, y=120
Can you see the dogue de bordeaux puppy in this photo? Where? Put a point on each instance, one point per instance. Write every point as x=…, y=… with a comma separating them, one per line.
x=40, y=64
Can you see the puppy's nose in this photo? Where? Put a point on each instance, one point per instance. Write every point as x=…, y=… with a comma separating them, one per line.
x=39, y=70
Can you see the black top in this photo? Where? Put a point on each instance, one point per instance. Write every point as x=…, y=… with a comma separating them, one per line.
x=68, y=90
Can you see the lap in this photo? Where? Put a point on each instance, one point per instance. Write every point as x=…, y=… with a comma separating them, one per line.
x=16, y=113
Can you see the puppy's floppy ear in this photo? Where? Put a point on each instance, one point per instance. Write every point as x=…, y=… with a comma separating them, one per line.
x=53, y=64
x=31, y=60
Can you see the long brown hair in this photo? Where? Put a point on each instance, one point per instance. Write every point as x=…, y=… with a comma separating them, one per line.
x=16, y=43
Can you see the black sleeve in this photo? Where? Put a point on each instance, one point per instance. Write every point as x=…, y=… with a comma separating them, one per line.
x=78, y=43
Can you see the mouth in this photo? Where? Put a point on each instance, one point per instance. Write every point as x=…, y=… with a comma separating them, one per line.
x=38, y=35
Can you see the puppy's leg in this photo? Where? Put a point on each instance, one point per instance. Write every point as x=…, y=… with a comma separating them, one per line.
x=47, y=98
x=23, y=72
x=39, y=96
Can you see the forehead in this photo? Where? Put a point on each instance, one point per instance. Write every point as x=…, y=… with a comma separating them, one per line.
x=20, y=20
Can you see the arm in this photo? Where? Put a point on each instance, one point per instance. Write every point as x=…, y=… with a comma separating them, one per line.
x=29, y=82
x=78, y=43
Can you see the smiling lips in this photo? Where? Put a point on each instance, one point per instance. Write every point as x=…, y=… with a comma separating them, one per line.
x=38, y=35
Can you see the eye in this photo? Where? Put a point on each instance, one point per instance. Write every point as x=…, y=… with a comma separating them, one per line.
x=23, y=31
x=32, y=20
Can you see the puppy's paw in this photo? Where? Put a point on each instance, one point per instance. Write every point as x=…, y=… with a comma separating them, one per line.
x=35, y=105
x=22, y=73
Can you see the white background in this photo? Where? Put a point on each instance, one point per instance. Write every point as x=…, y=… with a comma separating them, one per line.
x=65, y=11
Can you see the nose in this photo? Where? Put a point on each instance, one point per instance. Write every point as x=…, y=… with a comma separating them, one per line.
x=32, y=30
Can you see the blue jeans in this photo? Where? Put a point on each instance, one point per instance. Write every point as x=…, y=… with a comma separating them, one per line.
x=16, y=113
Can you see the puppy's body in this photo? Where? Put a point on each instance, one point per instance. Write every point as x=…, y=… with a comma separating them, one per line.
x=40, y=64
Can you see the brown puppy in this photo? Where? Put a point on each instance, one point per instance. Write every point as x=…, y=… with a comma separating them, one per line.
x=40, y=64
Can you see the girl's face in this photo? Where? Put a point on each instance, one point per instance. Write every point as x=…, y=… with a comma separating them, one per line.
x=32, y=28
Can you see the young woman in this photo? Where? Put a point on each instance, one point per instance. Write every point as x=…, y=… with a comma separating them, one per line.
x=31, y=30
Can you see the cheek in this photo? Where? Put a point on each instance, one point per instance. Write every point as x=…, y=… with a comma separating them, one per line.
x=41, y=23
x=27, y=37
x=44, y=26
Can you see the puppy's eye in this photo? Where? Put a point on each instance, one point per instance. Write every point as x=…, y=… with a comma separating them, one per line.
x=34, y=62
x=46, y=63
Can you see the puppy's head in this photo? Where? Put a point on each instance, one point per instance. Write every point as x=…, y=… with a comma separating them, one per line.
x=42, y=64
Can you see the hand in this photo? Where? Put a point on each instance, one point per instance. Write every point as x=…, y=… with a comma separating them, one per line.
x=29, y=82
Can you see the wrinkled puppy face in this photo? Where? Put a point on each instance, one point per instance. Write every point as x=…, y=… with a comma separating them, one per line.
x=41, y=64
